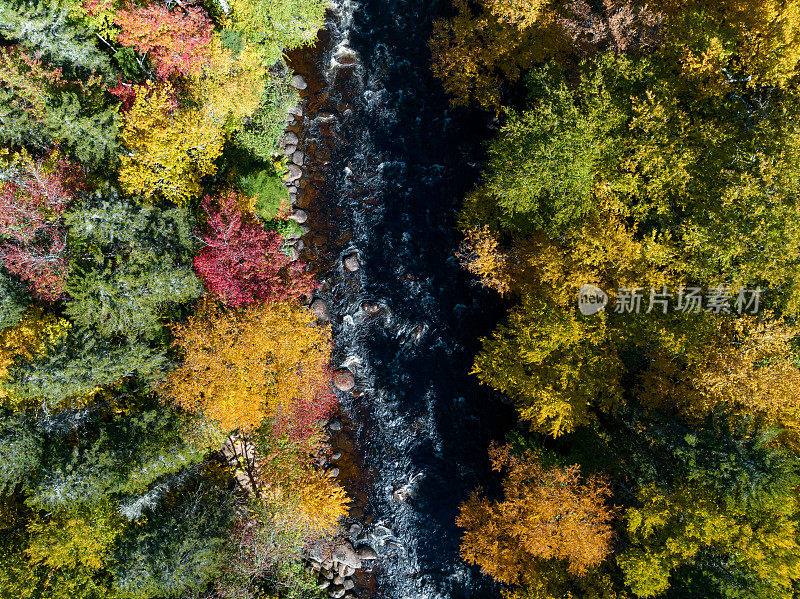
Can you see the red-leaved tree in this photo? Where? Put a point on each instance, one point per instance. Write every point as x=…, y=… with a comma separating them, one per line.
x=33, y=196
x=177, y=41
x=242, y=263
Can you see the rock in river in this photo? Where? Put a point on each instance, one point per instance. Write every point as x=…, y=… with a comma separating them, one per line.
x=299, y=216
x=365, y=552
x=346, y=554
x=299, y=82
x=295, y=172
x=351, y=263
x=343, y=379
x=320, y=310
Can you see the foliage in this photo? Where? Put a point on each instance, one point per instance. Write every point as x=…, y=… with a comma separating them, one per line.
x=545, y=514
x=244, y=365
x=271, y=196
x=33, y=197
x=261, y=133
x=135, y=263
x=80, y=363
x=244, y=264
x=715, y=508
x=30, y=338
x=176, y=41
x=178, y=549
x=481, y=255
x=554, y=364
x=170, y=148
x=274, y=27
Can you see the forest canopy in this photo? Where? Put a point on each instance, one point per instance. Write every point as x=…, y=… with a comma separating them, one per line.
x=121, y=470
x=648, y=149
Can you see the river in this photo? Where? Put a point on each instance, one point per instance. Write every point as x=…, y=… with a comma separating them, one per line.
x=399, y=163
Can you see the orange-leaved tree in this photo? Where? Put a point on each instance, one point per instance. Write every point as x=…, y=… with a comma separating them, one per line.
x=546, y=513
x=244, y=365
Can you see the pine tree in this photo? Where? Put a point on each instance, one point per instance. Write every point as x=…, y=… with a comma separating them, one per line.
x=134, y=263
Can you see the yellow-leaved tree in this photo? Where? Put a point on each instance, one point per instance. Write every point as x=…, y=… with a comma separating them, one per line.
x=545, y=514
x=169, y=148
x=243, y=365
x=29, y=338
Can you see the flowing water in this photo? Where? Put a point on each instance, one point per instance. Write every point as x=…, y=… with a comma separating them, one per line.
x=399, y=162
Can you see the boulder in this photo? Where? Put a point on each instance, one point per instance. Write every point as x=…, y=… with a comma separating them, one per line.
x=323, y=584
x=297, y=110
x=366, y=553
x=348, y=585
x=319, y=309
x=305, y=229
x=295, y=172
x=355, y=529
x=332, y=473
x=290, y=149
x=346, y=554
x=344, y=380
x=336, y=593
x=351, y=263
x=294, y=255
x=335, y=456
x=335, y=425
x=299, y=216
x=298, y=158
x=347, y=571
x=299, y=82
x=371, y=308
x=338, y=580
x=290, y=138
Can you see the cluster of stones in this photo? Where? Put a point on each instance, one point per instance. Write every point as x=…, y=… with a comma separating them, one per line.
x=337, y=568
x=295, y=171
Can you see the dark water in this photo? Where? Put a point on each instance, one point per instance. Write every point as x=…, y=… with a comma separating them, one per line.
x=400, y=166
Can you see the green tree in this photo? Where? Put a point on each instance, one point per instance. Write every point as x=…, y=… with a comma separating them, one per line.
x=134, y=261
x=178, y=549
x=554, y=364
x=274, y=27
x=13, y=300
x=715, y=509
x=78, y=365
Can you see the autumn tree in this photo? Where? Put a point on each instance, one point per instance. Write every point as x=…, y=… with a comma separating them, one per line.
x=275, y=27
x=244, y=365
x=477, y=50
x=176, y=41
x=33, y=197
x=481, y=255
x=29, y=339
x=41, y=108
x=242, y=263
x=545, y=514
x=556, y=365
x=170, y=148
x=715, y=509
